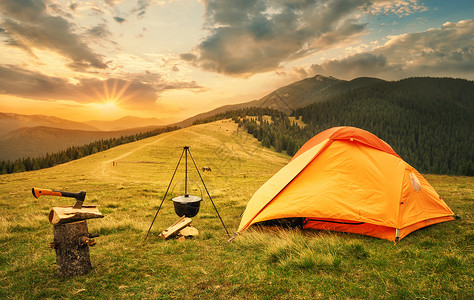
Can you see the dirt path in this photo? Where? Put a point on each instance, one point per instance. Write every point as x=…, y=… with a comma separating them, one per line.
x=104, y=168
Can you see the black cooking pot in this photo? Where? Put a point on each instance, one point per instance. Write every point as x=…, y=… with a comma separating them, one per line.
x=187, y=205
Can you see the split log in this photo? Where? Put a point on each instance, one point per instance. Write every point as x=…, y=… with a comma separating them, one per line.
x=71, y=242
x=189, y=231
x=66, y=214
x=177, y=226
x=179, y=220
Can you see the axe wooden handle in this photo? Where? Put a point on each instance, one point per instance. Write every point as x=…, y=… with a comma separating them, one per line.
x=38, y=192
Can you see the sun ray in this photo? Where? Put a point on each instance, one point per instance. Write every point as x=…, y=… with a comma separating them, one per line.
x=106, y=89
x=114, y=90
x=109, y=95
x=123, y=90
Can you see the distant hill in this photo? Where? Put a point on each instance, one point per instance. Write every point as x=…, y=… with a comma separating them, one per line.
x=311, y=90
x=129, y=122
x=35, y=135
x=219, y=110
x=37, y=141
x=10, y=122
x=298, y=94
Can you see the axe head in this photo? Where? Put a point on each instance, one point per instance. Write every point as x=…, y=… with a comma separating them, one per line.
x=80, y=197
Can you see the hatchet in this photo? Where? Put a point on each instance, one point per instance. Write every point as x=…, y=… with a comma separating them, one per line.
x=78, y=196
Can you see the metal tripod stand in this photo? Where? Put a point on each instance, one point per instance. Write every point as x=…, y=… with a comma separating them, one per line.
x=185, y=152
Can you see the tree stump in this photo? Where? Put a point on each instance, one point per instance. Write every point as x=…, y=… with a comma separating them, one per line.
x=71, y=242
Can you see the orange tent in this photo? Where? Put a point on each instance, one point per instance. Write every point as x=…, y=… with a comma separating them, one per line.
x=347, y=179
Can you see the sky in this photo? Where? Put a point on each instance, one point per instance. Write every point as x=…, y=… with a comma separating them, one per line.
x=172, y=59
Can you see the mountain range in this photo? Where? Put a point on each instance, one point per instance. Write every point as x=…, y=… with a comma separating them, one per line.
x=427, y=121
x=36, y=135
x=128, y=122
x=296, y=95
x=10, y=122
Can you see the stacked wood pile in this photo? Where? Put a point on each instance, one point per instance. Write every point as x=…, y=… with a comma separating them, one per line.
x=180, y=230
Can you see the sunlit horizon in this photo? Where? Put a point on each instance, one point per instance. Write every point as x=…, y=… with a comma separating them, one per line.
x=170, y=60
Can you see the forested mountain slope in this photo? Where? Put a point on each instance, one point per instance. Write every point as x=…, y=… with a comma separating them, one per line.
x=295, y=95
x=311, y=90
x=428, y=121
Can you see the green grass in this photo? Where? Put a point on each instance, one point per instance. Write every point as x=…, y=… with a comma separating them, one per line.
x=432, y=263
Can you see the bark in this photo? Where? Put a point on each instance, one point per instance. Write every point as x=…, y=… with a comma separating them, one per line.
x=71, y=242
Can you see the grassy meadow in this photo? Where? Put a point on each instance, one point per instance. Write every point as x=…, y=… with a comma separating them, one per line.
x=432, y=263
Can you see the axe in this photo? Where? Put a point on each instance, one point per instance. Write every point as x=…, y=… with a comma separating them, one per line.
x=78, y=196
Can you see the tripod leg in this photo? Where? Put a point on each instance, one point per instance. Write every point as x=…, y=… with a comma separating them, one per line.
x=154, y=217
x=164, y=196
x=197, y=169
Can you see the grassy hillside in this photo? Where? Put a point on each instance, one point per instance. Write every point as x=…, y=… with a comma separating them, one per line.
x=435, y=262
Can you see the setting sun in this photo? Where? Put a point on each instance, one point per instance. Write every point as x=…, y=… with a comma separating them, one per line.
x=112, y=93
x=109, y=105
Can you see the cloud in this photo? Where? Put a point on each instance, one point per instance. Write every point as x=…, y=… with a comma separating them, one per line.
x=300, y=72
x=248, y=37
x=119, y=20
x=112, y=3
x=357, y=65
x=23, y=10
x=58, y=10
x=24, y=83
x=28, y=26
x=99, y=31
x=73, y=6
x=188, y=57
x=141, y=8
x=445, y=51
x=135, y=91
x=397, y=7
